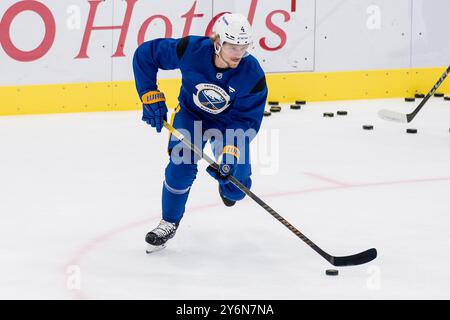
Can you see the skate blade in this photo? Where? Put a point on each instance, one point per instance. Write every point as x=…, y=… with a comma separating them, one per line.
x=151, y=248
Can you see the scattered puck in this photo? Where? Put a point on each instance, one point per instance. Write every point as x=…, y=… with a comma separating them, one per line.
x=410, y=99
x=328, y=114
x=275, y=109
x=368, y=127
x=267, y=113
x=447, y=98
x=411, y=130
x=273, y=103
x=300, y=102
x=419, y=95
x=331, y=272
x=341, y=113
x=295, y=106
x=438, y=95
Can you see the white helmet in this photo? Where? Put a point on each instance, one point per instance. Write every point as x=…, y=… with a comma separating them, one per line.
x=234, y=28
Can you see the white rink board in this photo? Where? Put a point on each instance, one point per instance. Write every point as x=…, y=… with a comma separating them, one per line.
x=298, y=52
x=321, y=35
x=430, y=38
x=363, y=35
x=173, y=10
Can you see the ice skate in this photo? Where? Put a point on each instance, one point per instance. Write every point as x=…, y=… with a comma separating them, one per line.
x=226, y=201
x=157, y=238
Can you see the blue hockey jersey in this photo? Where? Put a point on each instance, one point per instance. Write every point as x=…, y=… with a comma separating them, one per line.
x=230, y=98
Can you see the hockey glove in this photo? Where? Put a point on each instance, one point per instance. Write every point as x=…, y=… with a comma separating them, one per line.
x=227, y=166
x=154, y=109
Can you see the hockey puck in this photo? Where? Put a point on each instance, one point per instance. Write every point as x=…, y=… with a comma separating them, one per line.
x=410, y=99
x=331, y=272
x=447, y=98
x=275, y=109
x=267, y=113
x=368, y=127
x=438, y=94
x=419, y=95
x=295, y=106
x=300, y=102
x=328, y=114
x=411, y=130
x=273, y=103
x=341, y=113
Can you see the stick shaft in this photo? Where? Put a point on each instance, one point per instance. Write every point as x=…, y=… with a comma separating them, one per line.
x=430, y=93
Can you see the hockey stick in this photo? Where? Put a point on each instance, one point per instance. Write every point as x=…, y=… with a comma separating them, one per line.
x=405, y=118
x=356, y=259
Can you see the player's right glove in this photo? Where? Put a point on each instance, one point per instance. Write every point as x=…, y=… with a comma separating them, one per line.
x=154, y=109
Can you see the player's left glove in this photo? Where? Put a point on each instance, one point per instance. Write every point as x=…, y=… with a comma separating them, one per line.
x=227, y=166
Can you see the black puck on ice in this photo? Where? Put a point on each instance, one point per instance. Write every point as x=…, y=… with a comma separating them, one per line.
x=328, y=114
x=368, y=127
x=300, y=102
x=267, y=113
x=447, y=98
x=331, y=272
x=275, y=109
x=410, y=99
x=438, y=95
x=295, y=106
x=273, y=103
x=341, y=113
x=411, y=130
x=419, y=95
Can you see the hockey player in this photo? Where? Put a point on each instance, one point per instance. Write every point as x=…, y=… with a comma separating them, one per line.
x=223, y=88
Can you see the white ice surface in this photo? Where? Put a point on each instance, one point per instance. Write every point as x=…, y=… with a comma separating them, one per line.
x=78, y=193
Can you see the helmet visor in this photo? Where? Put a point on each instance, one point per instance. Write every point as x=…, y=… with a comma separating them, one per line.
x=236, y=49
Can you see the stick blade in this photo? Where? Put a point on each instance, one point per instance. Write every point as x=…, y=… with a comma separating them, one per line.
x=393, y=116
x=356, y=259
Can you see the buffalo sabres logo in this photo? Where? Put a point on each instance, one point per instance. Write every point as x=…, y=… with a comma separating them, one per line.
x=211, y=98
